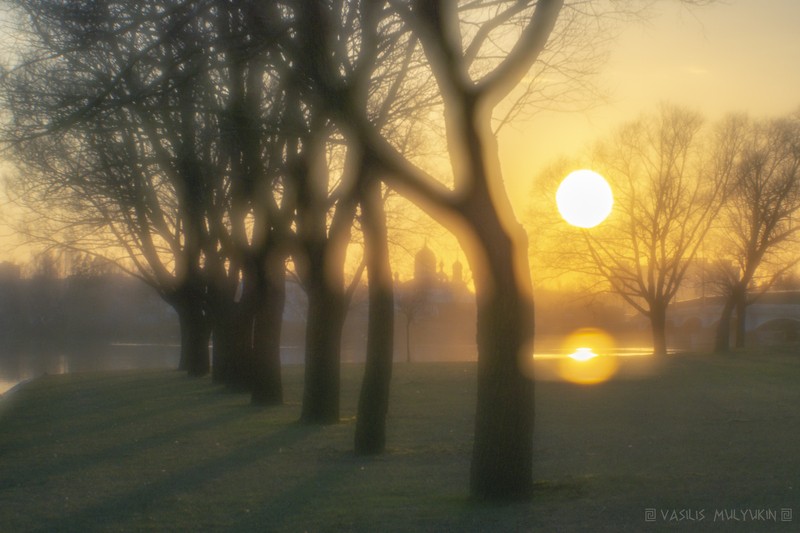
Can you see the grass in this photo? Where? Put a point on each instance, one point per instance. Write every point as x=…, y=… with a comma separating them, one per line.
x=154, y=450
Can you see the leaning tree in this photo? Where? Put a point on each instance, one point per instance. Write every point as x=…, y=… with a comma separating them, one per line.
x=477, y=204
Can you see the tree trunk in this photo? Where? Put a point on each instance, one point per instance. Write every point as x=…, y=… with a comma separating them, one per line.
x=373, y=403
x=327, y=310
x=195, y=333
x=502, y=460
x=408, y=338
x=739, y=331
x=658, y=325
x=325, y=320
x=722, y=340
x=232, y=355
x=267, y=383
x=221, y=293
x=241, y=330
x=219, y=352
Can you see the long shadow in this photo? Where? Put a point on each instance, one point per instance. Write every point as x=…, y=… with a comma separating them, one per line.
x=68, y=420
x=126, y=448
x=111, y=394
x=277, y=513
x=116, y=509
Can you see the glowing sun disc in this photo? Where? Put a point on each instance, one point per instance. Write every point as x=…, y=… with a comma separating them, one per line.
x=584, y=199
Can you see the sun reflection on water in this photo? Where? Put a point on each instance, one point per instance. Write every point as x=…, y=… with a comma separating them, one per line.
x=582, y=354
x=589, y=360
x=590, y=356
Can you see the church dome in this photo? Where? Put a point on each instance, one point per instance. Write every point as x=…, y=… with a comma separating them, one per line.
x=425, y=264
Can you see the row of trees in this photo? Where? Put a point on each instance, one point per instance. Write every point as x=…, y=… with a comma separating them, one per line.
x=215, y=140
x=211, y=143
x=685, y=192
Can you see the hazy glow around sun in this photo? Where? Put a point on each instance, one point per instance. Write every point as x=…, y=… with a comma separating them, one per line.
x=584, y=198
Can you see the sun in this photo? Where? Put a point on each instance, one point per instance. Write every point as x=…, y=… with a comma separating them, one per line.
x=584, y=198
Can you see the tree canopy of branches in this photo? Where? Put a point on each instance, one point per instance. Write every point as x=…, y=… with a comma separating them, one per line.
x=197, y=133
x=669, y=182
x=756, y=236
x=145, y=129
x=96, y=136
x=477, y=207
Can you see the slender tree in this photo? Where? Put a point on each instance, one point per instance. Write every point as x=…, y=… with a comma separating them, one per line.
x=373, y=404
x=250, y=216
x=327, y=203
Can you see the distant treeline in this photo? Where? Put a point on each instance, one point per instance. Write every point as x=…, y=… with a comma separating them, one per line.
x=101, y=307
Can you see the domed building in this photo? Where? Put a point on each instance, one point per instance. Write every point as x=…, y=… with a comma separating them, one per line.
x=425, y=266
x=437, y=314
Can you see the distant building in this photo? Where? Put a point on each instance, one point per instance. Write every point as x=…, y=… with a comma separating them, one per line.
x=436, y=314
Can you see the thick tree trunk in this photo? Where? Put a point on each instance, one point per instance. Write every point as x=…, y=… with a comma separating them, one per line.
x=327, y=310
x=195, y=333
x=232, y=353
x=502, y=461
x=219, y=352
x=241, y=330
x=267, y=383
x=373, y=403
x=658, y=326
x=220, y=307
x=325, y=320
x=722, y=339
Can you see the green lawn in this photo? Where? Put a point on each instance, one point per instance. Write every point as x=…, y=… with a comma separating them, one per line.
x=158, y=451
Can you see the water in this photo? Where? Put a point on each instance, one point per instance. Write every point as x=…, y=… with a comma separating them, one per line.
x=633, y=351
x=22, y=362
x=19, y=363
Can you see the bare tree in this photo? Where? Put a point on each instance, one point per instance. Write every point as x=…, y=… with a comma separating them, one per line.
x=148, y=124
x=758, y=232
x=373, y=401
x=92, y=171
x=668, y=187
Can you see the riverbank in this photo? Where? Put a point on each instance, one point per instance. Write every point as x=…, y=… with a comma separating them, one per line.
x=130, y=451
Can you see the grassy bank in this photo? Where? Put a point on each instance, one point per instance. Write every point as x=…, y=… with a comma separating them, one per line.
x=157, y=451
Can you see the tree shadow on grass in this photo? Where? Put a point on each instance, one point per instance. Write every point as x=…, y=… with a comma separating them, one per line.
x=118, y=510
x=74, y=463
x=76, y=406
x=300, y=505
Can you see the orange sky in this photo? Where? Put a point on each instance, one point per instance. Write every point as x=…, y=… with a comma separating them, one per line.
x=735, y=55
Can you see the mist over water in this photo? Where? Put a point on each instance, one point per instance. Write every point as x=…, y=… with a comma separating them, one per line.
x=24, y=361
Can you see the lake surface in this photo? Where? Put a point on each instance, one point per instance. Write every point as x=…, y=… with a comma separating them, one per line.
x=24, y=361
x=21, y=362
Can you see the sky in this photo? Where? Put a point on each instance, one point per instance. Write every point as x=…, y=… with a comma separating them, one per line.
x=732, y=56
x=735, y=55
